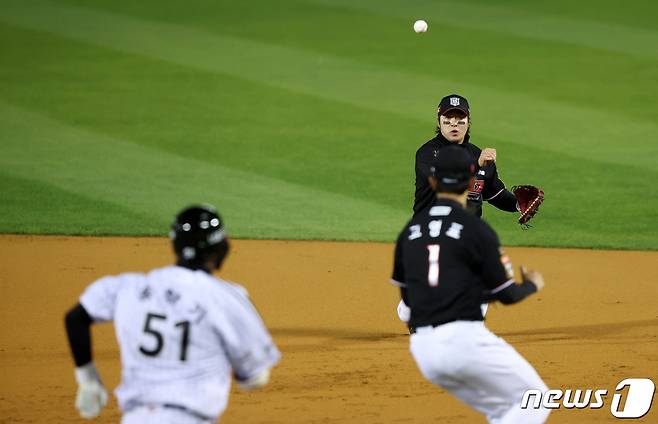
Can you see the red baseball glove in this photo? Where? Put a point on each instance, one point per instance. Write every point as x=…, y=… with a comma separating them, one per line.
x=528, y=198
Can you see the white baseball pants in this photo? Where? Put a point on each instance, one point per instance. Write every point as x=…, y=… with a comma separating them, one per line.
x=479, y=368
x=159, y=415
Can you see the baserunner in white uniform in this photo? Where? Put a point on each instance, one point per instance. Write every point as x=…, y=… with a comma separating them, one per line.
x=183, y=333
x=447, y=262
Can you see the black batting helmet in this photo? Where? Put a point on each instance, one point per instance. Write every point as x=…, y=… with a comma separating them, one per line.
x=453, y=168
x=198, y=235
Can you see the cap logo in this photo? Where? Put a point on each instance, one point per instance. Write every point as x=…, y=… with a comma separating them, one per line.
x=454, y=101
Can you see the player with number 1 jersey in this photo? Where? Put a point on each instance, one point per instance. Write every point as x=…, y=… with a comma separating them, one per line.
x=447, y=262
x=460, y=239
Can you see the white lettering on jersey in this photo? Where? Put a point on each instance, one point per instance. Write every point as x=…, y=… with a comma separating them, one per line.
x=415, y=232
x=435, y=228
x=455, y=231
x=440, y=211
x=433, y=270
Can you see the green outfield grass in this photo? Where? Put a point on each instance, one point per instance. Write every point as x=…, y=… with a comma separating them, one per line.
x=300, y=119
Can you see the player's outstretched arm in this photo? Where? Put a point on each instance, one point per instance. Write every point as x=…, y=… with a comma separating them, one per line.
x=505, y=201
x=533, y=276
x=78, y=323
x=91, y=396
x=512, y=292
x=246, y=341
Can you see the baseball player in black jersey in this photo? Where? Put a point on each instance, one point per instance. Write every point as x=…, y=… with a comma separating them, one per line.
x=447, y=262
x=454, y=129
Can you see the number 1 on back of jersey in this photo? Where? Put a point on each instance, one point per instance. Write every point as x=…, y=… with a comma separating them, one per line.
x=433, y=271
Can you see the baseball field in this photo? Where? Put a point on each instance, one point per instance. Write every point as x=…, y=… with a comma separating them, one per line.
x=299, y=120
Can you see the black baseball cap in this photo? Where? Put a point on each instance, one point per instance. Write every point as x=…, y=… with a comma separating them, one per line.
x=453, y=101
x=452, y=166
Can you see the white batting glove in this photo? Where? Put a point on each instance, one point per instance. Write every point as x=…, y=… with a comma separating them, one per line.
x=92, y=396
x=404, y=312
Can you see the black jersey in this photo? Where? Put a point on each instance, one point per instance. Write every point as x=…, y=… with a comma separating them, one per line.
x=487, y=185
x=447, y=261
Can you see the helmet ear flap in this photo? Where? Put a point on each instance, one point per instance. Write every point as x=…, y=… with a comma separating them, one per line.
x=221, y=253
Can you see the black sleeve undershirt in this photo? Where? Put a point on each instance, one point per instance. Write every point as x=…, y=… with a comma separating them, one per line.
x=78, y=323
x=513, y=293
x=505, y=201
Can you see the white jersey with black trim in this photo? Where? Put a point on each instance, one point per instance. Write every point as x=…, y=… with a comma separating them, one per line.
x=182, y=334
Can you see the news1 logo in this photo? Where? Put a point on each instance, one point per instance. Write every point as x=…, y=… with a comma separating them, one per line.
x=637, y=401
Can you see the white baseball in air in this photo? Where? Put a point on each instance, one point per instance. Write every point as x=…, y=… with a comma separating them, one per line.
x=420, y=26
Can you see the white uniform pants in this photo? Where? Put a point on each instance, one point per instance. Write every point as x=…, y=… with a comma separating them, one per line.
x=160, y=415
x=479, y=368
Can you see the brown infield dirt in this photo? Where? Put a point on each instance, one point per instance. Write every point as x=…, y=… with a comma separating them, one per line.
x=333, y=315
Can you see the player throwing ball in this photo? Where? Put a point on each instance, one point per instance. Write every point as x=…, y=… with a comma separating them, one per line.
x=182, y=333
x=453, y=128
x=447, y=262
